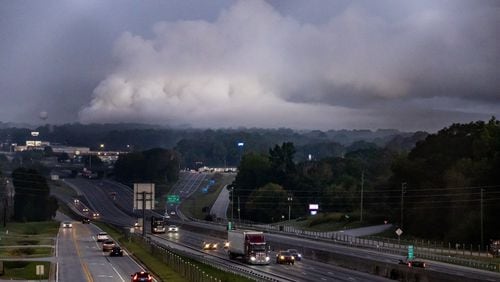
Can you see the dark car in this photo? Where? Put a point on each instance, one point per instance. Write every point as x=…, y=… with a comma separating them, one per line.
x=295, y=254
x=413, y=263
x=141, y=276
x=116, y=252
x=284, y=257
x=86, y=220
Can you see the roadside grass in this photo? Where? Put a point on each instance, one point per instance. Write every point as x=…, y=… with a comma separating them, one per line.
x=199, y=204
x=323, y=222
x=26, y=252
x=155, y=264
x=15, y=236
x=29, y=233
x=24, y=270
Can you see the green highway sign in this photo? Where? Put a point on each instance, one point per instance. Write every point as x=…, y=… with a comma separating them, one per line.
x=410, y=252
x=173, y=199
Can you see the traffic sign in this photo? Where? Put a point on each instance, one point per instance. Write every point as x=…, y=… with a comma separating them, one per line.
x=399, y=231
x=173, y=199
x=410, y=252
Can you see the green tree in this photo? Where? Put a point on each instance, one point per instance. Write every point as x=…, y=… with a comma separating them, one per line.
x=253, y=172
x=282, y=164
x=159, y=166
x=267, y=203
x=32, y=200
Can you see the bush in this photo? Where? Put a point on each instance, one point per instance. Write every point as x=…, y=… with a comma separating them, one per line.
x=22, y=251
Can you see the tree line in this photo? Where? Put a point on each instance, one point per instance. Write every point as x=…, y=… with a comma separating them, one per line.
x=443, y=183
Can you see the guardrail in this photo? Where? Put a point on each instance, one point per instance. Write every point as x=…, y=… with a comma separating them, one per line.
x=391, y=246
x=174, y=258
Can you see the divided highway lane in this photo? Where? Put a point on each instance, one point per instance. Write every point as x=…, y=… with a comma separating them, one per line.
x=101, y=201
x=81, y=259
x=305, y=270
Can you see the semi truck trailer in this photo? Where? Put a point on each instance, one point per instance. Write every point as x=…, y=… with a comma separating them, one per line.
x=249, y=245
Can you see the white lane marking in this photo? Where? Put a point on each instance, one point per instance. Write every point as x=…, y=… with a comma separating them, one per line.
x=117, y=273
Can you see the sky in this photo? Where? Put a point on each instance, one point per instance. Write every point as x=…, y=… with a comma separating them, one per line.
x=408, y=65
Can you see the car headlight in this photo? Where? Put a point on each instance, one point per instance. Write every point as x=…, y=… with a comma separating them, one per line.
x=293, y=257
x=252, y=258
x=268, y=258
x=215, y=245
x=282, y=257
x=299, y=255
x=207, y=245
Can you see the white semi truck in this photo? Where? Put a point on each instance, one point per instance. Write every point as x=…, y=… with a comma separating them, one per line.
x=249, y=245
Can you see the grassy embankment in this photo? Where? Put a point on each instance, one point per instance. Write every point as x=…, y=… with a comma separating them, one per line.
x=194, y=205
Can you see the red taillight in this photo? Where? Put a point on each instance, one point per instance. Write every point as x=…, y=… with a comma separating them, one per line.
x=135, y=277
x=150, y=278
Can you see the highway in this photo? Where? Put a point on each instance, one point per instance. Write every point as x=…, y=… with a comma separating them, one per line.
x=98, y=193
x=312, y=268
x=80, y=257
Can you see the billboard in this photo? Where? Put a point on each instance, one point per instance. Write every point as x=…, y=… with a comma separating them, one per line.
x=313, y=207
x=144, y=196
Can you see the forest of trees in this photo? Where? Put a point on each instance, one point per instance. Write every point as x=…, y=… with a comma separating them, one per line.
x=445, y=179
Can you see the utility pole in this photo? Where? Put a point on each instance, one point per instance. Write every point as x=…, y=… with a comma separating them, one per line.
x=232, y=205
x=143, y=214
x=362, y=184
x=403, y=191
x=482, y=233
x=239, y=215
x=290, y=199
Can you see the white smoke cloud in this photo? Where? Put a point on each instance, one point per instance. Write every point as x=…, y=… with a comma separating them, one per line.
x=253, y=66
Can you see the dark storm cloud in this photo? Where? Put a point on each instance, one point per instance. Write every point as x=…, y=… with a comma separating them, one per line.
x=301, y=64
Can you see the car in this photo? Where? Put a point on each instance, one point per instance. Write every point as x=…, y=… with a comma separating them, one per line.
x=102, y=236
x=86, y=220
x=295, y=254
x=85, y=210
x=95, y=215
x=67, y=224
x=116, y=252
x=210, y=245
x=141, y=276
x=172, y=212
x=173, y=228
x=284, y=257
x=413, y=263
x=108, y=245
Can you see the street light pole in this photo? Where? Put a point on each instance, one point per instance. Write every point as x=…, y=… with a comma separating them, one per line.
x=290, y=199
x=403, y=191
x=362, y=184
x=482, y=234
x=232, y=205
